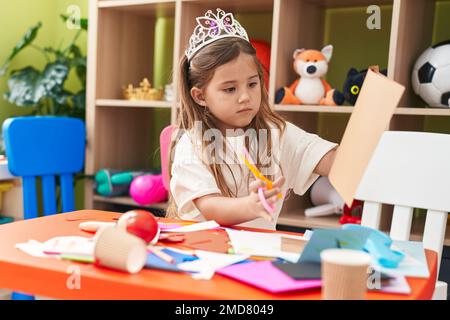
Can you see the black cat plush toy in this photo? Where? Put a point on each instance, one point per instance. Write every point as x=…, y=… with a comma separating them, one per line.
x=353, y=84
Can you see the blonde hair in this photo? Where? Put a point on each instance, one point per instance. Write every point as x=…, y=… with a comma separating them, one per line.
x=197, y=73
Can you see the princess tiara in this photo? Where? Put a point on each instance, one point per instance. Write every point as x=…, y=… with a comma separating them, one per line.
x=213, y=27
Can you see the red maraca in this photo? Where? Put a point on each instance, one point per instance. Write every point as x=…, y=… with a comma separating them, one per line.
x=140, y=223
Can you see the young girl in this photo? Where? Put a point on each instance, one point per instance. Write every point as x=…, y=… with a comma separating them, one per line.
x=224, y=107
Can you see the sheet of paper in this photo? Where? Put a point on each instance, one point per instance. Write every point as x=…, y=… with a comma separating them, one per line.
x=292, y=245
x=371, y=115
x=264, y=275
x=413, y=265
x=301, y=270
x=260, y=244
x=209, y=262
x=307, y=235
x=207, y=225
x=165, y=227
x=172, y=225
x=69, y=245
x=33, y=248
x=215, y=240
x=59, y=245
x=155, y=262
x=322, y=239
x=397, y=284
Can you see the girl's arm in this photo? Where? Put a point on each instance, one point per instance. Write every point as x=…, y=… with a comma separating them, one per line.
x=224, y=210
x=324, y=165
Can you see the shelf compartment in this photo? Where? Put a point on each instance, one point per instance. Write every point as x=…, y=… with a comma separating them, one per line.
x=408, y=44
x=133, y=103
x=125, y=140
x=411, y=39
x=150, y=8
x=314, y=24
x=125, y=49
x=128, y=201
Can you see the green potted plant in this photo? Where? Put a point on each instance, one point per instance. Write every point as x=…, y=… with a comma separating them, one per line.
x=44, y=89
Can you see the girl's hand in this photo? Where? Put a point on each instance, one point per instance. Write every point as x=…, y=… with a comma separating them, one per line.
x=253, y=203
x=255, y=185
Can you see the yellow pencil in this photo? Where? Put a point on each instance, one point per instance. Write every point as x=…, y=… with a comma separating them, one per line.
x=258, y=174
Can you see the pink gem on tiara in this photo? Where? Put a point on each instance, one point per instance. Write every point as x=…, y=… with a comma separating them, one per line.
x=212, y=27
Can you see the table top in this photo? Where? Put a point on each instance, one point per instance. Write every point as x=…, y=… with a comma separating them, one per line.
x=50, y=277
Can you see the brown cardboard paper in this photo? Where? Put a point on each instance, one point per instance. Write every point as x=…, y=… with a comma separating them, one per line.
x=372, y=113
x=292, y=245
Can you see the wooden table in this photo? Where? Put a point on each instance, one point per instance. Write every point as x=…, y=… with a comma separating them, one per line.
x=48, y=277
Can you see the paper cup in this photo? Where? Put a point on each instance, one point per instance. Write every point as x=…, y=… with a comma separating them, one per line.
x=344, y=274
x=117, y=249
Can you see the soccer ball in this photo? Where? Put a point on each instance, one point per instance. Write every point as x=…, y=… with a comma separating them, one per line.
x=431, y=75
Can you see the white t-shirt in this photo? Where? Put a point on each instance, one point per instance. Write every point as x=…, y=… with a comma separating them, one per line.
x=299, y=153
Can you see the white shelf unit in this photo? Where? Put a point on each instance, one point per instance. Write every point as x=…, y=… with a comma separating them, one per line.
x=121, y=51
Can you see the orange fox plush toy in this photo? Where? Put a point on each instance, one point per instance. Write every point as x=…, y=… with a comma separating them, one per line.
x=310, y=88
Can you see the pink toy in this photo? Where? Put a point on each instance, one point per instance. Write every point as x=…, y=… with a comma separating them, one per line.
x=164, y=143
x=148, y=189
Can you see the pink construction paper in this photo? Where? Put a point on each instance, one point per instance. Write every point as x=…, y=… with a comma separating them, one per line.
x=264, y=275
x=164, y=226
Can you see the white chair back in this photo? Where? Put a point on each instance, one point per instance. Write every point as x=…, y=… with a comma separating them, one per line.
x=409, y=170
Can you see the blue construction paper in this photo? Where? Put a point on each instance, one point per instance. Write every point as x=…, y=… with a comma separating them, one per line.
x=155, y=262
x=322, y=239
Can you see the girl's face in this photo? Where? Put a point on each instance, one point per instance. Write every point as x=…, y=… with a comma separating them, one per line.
x=233, y=95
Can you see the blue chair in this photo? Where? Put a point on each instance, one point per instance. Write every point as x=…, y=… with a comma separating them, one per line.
x=45, y=147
